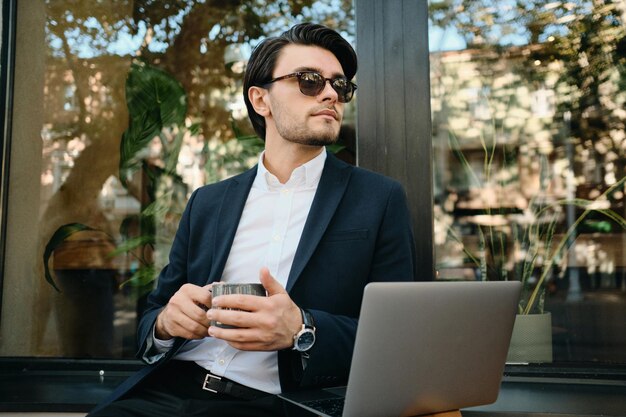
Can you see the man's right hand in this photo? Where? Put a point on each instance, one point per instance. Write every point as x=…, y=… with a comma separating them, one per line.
x=185, y=314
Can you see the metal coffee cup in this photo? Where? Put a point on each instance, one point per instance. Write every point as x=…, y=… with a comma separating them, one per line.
x=219, y=288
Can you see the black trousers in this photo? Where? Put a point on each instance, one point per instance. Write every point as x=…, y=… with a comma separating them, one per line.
x=166, y=393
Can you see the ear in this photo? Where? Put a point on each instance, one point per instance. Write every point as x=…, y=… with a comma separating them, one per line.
x=258, y=97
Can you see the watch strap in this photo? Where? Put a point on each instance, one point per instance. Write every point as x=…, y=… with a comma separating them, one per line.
x=307, y=319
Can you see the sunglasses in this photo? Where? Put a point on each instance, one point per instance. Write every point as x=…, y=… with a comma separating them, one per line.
x=312, y=83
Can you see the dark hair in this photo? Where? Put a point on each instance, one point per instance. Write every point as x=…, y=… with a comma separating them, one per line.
x=263, y=59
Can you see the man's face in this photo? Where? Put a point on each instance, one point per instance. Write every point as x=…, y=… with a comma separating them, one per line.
x=298, y=118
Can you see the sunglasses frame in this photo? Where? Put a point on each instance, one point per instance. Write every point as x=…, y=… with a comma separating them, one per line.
x=299, y=75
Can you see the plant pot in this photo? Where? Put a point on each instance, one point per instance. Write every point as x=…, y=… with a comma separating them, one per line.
x=86, y=277
x=84, y=311
x=531, y=341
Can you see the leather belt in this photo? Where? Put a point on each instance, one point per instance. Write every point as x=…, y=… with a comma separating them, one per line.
x=214, y=383
x=220, y=385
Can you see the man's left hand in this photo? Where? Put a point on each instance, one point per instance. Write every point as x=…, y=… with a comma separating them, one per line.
x=264, y=323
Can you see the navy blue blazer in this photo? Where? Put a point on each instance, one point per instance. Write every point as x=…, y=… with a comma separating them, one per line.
x=358, y=231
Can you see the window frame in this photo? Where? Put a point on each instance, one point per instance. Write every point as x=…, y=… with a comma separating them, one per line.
x=392, y=45
x=393, y=49
x=7, y=66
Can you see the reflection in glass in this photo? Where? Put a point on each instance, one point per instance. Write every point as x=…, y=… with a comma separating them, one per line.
x=529, y=143
x=100, y=168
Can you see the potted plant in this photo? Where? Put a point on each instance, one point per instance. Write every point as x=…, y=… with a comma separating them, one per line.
x=84, y=263
x=527, y=246
x=156, y=103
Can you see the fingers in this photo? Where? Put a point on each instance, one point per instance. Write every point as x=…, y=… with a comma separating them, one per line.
x=172, y=323
x=242, y=319
x=184, y=315
x=253, y=338
x=240, y=302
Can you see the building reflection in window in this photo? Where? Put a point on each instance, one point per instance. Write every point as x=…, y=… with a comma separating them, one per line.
x=528, y=137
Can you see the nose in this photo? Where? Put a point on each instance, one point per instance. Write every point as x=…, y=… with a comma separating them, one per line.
x=328, y=93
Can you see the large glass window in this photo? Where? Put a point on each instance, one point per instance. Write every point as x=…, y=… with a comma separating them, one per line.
x=122, y=109
x=529, y=149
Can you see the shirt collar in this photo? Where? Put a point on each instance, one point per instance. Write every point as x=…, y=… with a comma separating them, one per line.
x=305, y=176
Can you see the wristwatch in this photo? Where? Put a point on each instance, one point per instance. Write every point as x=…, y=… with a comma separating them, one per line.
x=305, y=338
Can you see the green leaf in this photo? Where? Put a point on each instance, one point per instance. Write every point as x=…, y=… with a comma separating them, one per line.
x=58, y=237
x=155, y=100
x=149, y=88
x=141, y=279
x=173, y=151
x=132, y=244
x=140, y=132
x=159, y=207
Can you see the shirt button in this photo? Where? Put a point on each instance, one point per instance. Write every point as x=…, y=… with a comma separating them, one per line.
x=277, y=238
x=221, y=362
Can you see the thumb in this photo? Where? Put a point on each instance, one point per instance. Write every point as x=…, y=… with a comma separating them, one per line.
x=269, y=282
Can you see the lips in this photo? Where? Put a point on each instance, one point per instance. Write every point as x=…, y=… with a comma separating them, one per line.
x=327, y=112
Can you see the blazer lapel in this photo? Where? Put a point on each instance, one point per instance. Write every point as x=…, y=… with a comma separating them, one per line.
x=329, y=192
x=230, y=211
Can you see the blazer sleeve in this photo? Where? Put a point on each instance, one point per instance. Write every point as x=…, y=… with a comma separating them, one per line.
x=171, y=278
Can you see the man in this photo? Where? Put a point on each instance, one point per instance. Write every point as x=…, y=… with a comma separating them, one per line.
x=312, y=229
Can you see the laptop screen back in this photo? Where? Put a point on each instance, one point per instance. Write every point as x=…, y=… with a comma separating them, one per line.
x=426, y=347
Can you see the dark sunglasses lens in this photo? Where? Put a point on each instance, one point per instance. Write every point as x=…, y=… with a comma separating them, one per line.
x=344, y=90
x=311, y=83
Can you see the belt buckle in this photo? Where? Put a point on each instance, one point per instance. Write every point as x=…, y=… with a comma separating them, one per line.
x=207, y=379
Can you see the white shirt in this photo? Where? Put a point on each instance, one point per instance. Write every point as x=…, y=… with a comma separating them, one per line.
x=267, y=235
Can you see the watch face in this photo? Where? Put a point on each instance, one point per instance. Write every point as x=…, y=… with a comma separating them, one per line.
x=305, y=340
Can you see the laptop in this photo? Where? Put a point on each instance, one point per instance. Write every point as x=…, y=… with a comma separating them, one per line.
x=423, y=347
